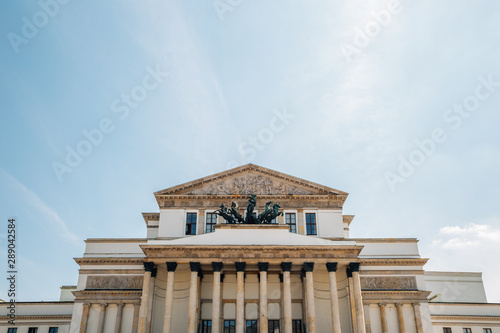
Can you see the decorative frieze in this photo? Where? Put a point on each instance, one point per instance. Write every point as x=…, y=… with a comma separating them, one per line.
x=114, y=282
x=250, y=184
x=388, y=283
x=250, y=252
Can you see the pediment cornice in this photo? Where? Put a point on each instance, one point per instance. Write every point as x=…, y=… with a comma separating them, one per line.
x=250, y=179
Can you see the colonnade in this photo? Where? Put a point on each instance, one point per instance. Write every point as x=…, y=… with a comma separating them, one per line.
x=263, y=267
x=142, y=311
x=102, y=316
x=401, y=320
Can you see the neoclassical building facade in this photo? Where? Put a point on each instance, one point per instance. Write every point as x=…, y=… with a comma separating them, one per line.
x=194, y=272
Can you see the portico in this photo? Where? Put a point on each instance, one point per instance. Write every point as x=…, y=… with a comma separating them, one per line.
x=242, y=261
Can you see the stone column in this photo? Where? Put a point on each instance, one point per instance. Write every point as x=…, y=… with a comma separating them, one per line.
x=304, y=296
x=368, y=319
x=193, y=297
x=383, y=317
x=352, y=304
x=102, y=317
x=263, y=324
x=85, y=317
x=151, y=299
x=334, y=297
x=360, y=316
x=169, y=296
x=119, y=311
x=418, y=317
x=240, y=296
x=135, y=320
x=217, y=267
x=401, y=319
x=311, y=313
x=146, y=284
x=286, y=267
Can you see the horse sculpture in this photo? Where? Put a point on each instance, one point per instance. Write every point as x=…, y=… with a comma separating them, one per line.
x=232, y=215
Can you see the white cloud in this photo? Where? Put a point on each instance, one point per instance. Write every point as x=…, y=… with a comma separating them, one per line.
x=470, y=236
x=469, y=248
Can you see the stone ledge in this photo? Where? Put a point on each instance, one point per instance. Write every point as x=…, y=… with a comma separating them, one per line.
x=251, y=226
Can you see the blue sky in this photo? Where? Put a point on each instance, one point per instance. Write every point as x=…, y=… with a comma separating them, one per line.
x=395, y=103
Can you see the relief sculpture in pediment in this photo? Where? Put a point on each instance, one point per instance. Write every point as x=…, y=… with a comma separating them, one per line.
x=250, y=185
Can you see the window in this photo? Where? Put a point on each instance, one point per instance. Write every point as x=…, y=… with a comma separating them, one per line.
x=486, y=330
x=210, y=222
x=33, y=330
x=311, y=223
x=53, y=329
x=12, y=330
x=191, y=224
x=273, y=326
x=446, y=329
x=297, y=326
x=206, y=326
x=229, y=326
x=291, y=221
x=467, y=330
x=251, y=326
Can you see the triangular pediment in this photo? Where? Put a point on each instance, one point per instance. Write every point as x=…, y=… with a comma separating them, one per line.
x=250, y=179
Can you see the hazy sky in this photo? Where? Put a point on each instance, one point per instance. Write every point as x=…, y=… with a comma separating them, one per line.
x=105, y=102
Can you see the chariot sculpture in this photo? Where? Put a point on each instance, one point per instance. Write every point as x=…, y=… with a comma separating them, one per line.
x=232, y=215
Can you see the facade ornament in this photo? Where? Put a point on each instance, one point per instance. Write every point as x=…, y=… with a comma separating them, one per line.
x=331, y=266
x=217, y=266
x=286, y=266
x=232, y=215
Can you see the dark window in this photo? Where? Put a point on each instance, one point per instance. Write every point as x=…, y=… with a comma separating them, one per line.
x=229, y=326
x=291, y=221
x=191, y=224
x=467, y=330
x=297, y=326
x=311, y=223
x=251, y=326
x=486, y=330
x=53, y=329
x=12, y=330
x=211, y=222
x=446, y=329
x=33, y=330
x=273, y=326
x=206, y=326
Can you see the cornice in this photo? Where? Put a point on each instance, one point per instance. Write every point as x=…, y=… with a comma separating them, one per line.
x=99, y=296
x=151, y=217
x=115, y=240
x=385, y=240
x=347, y=219
x=393, y=262
x=39, y=303
x=464, y=317
x=374, y=296
x=38, y=317
x=336, y=197
x=109, y=261
x=186, y=253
